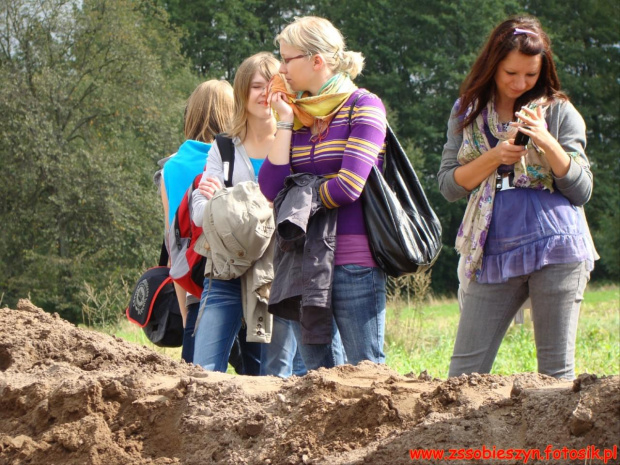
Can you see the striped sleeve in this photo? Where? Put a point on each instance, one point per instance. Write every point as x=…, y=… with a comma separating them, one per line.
x=364, y=147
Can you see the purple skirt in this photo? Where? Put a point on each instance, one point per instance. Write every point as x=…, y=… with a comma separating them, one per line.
x=530, y=229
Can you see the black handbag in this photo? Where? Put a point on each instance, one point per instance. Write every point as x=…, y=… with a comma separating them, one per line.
x=403, y=230
x=154, y=306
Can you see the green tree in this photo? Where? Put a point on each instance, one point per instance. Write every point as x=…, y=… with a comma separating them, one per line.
x=91, y=98
x=219, y=34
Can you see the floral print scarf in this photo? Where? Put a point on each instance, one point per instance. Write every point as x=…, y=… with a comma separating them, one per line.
x=532, y=172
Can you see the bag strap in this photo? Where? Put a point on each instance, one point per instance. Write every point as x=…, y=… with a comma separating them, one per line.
x=388, y=129
x=227, y=152
x=163, y=255
x=355, y=103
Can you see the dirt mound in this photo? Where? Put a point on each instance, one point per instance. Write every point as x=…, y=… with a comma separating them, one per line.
x=73, y=396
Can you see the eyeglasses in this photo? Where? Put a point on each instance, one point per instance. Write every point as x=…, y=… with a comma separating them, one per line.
x=286, y=60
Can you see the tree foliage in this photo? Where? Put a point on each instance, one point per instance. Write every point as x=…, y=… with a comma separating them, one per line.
x=90, y=99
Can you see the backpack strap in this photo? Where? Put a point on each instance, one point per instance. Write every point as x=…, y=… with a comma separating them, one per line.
x=227, y=152
x=163, y=255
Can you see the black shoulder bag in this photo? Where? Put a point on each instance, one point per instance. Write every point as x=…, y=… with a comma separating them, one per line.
x=403, y=230
x=154, y=306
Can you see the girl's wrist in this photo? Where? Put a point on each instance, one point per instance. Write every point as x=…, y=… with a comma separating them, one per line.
x=284, y=125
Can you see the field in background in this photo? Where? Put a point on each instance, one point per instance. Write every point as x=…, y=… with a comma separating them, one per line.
x=420, y=336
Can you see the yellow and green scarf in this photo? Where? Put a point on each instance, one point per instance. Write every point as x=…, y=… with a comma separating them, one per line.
x=316, y=112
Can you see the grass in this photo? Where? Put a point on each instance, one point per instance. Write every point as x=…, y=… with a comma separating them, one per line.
x=133, y=333
x=422, y=338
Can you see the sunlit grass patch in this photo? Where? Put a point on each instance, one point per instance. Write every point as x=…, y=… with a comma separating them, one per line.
x=133, y=333
x=421, y=337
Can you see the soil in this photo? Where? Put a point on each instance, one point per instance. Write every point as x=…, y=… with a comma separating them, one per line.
x=74, y=396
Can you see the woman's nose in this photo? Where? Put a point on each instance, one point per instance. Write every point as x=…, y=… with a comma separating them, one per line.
x=520, y=82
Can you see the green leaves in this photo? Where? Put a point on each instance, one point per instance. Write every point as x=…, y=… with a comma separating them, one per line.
x=93, y=97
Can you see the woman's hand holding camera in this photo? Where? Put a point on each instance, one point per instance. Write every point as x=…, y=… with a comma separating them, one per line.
x=506, y=153
x=532, y=123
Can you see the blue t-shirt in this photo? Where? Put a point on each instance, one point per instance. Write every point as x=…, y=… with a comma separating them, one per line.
x=256, y=164
x=180, y=171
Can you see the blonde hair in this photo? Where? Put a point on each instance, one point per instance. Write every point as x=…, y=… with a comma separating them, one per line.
x=208, y=110
x=265, y=64
x=318, y=36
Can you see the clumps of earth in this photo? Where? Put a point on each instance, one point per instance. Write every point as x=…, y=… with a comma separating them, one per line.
x=74, y=396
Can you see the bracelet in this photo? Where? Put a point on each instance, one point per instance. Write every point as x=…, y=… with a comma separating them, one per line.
x=284, y=125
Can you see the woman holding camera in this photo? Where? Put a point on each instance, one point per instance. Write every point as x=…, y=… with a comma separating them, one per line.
x=524, y=231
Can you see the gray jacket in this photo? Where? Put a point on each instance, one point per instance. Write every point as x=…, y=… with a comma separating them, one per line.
x=564, y=123
x=238, y=241
x=304, y=258
x=244, y=171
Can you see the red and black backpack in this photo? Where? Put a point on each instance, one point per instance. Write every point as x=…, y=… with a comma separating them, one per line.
x=154, y=306
x=187, y=268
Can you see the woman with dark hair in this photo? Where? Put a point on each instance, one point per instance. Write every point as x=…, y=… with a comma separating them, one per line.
x=523, y=231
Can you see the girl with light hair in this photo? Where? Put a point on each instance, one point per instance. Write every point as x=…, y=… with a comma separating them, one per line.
x=207, y=113
x=330, y=128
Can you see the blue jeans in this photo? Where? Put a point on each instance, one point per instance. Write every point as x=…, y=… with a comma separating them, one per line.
x=218, y=327
x=358, y=303
x=187, y=352
x=281, y=356
x=556, y=292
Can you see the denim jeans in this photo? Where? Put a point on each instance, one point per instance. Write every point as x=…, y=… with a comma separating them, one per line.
x=218, y=327
x=358, y=304
x=556, y=292
x=281, y=356
x=187, y=352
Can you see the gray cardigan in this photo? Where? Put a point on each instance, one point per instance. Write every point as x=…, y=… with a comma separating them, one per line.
x=564, y=123
x=243, y=171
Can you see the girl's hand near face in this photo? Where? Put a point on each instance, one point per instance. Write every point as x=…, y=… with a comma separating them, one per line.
x=209, y=186
x=278, y=103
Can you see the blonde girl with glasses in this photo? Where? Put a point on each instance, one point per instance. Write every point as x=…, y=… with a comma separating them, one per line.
x=315, y=135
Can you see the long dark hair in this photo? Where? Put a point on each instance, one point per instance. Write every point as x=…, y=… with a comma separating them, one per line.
x=479, y=85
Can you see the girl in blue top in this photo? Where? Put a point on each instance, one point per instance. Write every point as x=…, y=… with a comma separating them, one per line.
x=208, y=112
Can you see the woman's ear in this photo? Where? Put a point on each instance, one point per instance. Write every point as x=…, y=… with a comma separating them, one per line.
x=317, y=62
